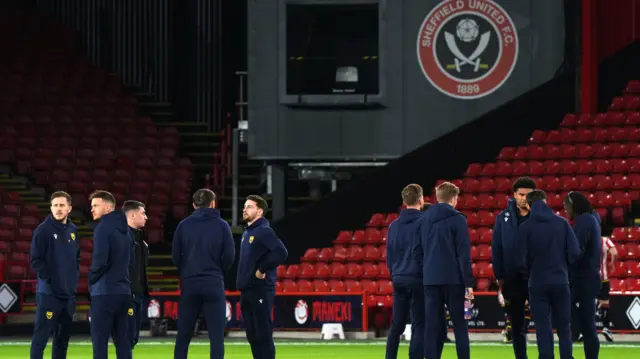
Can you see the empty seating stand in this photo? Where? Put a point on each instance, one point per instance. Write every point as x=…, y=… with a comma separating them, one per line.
x=68, y=125
x=596, y=154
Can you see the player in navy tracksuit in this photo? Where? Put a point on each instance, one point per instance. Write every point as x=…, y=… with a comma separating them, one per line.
x=447, y=271
x=261, y=252
x=110, y=287
x=585, y=274
x=55, y=257
x=406, y=273
x=548, y=247
x=204, y=251
x=512, y=283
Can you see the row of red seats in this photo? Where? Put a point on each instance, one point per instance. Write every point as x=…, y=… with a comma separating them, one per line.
x=555, y=200
x=181, y=166
x=17, y=210
x=96, y=128
x=480, y=250
x=626, y=234
x=53, y=96
x=587, y=134
x=625, y=285
x=552, y=167
x=601, y=119
x=625, y=103
x=629, y=268
x=503, y=185
x=60, y=72
x=142, y=179
x=27, y=123
x=305, y=270
x=380, y=287
x=15, y=108
x=568, y=151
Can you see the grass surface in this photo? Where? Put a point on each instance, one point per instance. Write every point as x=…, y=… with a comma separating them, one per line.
x=296, y=350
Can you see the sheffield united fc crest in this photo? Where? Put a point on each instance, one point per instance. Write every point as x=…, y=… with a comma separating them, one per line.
x=467, y=49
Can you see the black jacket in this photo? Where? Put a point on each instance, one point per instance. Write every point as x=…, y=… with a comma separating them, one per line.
x=138, y=276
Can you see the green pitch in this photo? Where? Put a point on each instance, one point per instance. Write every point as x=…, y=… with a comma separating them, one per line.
x=301, y=349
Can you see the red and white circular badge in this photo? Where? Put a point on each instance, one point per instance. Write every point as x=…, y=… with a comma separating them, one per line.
x=467, y=49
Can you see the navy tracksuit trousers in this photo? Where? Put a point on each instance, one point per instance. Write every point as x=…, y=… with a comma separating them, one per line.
x=53, y=315
x=256, y=305
x=547, y=301
x=583, y=311
x=408, y=301
x=435, y=297
x=516, y=293
x=134, y=322
x=204, y=294
x=110, y=314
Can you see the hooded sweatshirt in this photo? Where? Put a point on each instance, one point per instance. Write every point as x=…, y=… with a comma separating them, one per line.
x=586, y=270
x=112, y=256
x=402, y=240
x=548, y=247
x=260, y=249
x=446, y=247
x=504, y=243
x=203, y=245
x=55, y=257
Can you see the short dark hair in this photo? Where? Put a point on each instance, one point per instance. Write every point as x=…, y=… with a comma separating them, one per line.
x=535, y=195
x=523, y=182
x=103, y=195
x=260, y=202
x=412, y=194
x=131, y=205
x=59, y=194
x=579, y=203
x=203, y=197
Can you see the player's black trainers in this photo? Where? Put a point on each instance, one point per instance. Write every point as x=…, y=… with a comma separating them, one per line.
x=607, y=335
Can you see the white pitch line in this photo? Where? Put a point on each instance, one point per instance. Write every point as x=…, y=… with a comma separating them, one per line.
x=316, y=343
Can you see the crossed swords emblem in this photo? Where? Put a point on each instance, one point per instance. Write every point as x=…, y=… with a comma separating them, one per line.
x=460, y=59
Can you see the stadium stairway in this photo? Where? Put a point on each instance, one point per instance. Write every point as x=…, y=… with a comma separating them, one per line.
x=205, y=149
x=162, y=273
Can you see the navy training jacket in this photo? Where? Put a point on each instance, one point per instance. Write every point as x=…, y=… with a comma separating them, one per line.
x=55, y=257
x=446, y=247
x=112, y=256
x=203, y=245
x=403, y=238
x=548, y=247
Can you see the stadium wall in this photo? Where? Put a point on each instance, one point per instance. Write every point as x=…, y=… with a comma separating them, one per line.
x=448, y=156
x=407, y=110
